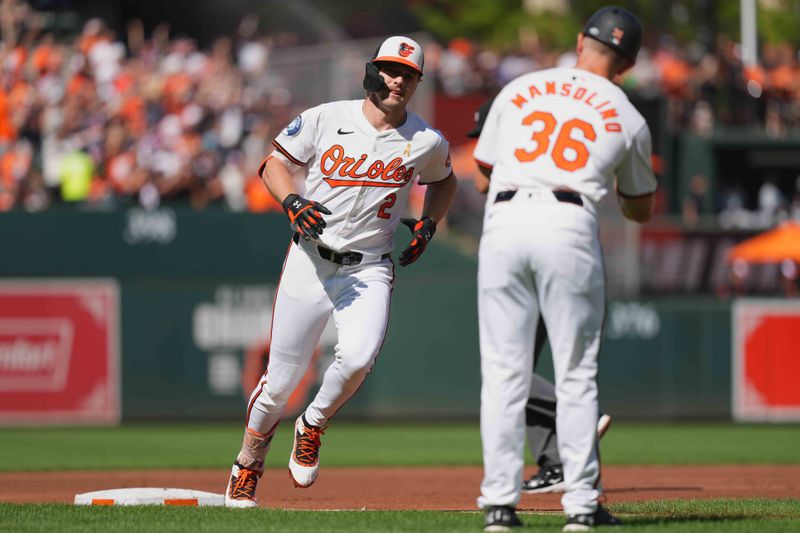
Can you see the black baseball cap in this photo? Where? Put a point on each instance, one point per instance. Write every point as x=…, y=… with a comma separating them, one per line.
x=616, y=27
x=480, y=118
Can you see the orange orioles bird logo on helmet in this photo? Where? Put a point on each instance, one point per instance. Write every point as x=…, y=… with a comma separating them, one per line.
x=616, y=35
x=405, y=50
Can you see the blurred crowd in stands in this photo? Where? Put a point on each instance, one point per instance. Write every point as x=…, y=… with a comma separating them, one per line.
x=769, y=207
x=109, y=120
x=704, y=88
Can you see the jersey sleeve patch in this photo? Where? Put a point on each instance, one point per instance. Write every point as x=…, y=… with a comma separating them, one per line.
x=294, y=126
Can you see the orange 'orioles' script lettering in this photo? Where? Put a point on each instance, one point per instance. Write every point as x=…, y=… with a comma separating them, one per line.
x=378, y=174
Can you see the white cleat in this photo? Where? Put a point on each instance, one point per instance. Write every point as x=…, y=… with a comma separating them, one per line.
x=304, y=460
x=241, y=491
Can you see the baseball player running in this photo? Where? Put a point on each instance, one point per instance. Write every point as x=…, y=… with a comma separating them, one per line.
x=359, y=159
x=540, y=410
x=554, y=143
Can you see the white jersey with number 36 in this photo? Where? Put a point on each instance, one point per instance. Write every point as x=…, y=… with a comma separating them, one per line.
x=587, y=133
x=362, y=175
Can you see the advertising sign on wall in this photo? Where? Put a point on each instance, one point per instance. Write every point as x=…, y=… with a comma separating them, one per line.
x=59, y=352
x=766, y=336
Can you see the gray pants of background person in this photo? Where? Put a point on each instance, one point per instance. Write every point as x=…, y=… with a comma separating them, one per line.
x=540, y=419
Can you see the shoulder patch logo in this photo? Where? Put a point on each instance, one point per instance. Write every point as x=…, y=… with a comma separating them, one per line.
x=294, y=126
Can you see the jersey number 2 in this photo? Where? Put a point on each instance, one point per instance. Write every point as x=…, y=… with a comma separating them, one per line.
x=564, y=140
x=387, y=203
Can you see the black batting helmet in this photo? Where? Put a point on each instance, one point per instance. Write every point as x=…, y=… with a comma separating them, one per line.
x=616, y=27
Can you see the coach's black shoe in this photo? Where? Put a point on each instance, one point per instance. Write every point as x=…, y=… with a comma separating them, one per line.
x=547, y=479
x=585, y=522
x=501, y=518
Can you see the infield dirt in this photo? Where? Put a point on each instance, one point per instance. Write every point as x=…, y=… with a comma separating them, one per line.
x=420, y=488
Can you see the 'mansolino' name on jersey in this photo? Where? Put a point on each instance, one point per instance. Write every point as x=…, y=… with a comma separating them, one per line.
x=600, y=104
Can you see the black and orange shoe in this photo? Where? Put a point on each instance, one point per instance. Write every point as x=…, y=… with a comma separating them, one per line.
x=241, y=491
x=304, y=460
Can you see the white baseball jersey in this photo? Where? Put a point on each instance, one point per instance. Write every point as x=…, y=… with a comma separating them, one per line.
x=566, y=128
x=360, y=174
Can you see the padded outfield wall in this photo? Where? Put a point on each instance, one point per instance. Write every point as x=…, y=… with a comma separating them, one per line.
x=194, y=292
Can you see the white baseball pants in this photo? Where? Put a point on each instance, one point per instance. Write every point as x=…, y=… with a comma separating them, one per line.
x=310, y=289
x=539, y=256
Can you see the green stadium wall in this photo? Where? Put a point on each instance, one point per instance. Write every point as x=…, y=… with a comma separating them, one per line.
x=196, y=293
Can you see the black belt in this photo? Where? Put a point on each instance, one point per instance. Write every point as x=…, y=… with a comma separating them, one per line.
x=562, y=196
x=340, y=258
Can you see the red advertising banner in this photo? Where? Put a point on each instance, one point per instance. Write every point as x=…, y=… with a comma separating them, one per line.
x=766, y=364
x=59, y=352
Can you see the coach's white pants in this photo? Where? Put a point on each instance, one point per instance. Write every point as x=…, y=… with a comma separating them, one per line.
x=310, y=288
x=539, y=257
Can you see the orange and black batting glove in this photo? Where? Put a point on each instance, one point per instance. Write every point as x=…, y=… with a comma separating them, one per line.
x=423, y=231
x=305, y=216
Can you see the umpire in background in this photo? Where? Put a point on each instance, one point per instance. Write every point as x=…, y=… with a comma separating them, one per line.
x=540, y=411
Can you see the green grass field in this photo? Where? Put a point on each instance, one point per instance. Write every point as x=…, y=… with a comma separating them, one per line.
x=350, y=444
x=380, y=444
x=686, y=516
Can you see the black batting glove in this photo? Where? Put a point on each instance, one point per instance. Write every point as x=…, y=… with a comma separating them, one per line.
x=305, y=216
x=423, y=231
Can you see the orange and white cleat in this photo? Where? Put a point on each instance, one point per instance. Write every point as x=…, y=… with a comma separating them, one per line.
x=304, y=460
x=241, y=491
